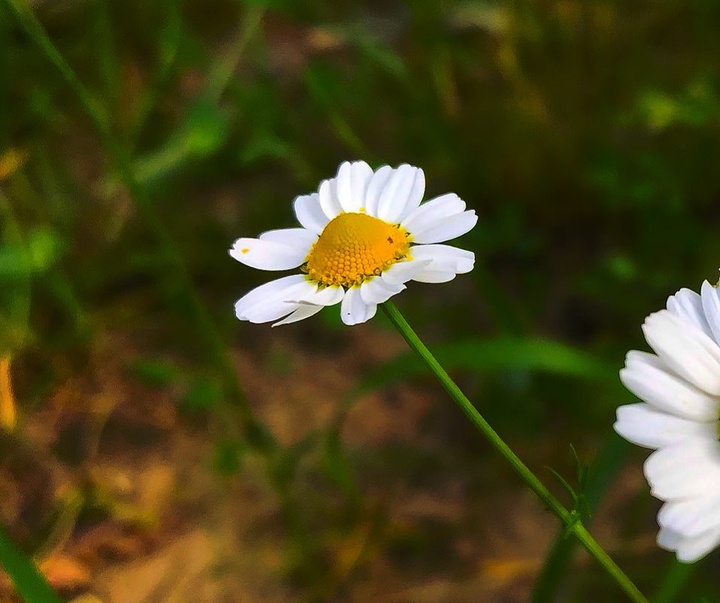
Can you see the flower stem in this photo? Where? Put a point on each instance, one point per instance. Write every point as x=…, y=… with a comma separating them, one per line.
x=568, y=518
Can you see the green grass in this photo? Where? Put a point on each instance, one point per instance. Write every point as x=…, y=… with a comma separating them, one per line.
x=151, y=135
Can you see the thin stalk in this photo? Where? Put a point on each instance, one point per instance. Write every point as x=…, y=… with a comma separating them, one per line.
x=569, y=518
x=27, y=579
x=608, y=463
x=673, y=582
x=8, y=412
x=256, y=432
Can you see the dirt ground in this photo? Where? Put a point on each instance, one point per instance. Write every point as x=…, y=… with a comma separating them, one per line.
x=114, y=486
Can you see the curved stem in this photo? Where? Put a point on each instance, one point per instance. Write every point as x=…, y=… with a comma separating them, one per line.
x=568, y=518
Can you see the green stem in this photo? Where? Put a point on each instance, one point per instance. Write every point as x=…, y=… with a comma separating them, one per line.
x=605, y=468
x=568, y=518
x=29, y=582
x=673, y=582
x=257, y=434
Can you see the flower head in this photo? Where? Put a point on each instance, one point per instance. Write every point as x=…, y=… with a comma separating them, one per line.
x=363, y=235
x=680, y=386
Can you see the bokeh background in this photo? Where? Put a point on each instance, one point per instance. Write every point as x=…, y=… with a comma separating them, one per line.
x=157, y=450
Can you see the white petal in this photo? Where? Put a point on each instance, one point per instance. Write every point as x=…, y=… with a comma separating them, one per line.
x=689, y=549
x=434, y=276
x=646, y=426
x=444, y=258
x=694, y=549
x=354, y=310
x=376, y=186
x=402, y=272
x=329, y=201
x=668, y=540
x=404, y=189
x=299, y=239
x=352, y=183
x=433, y=211
x=377, y=291
x=309, y=213
x=267, y=255
x=270, y=301
x=688, y=305
x=303, y=312
x=684, y=469
x=649, y=379
x=684, y=348
x=446, y=229
x=711, y=307
x=692, y=516
x=325, y=296
x=415, y=196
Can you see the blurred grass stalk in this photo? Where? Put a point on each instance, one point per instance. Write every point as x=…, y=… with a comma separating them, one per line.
x=29, y=582
x=254, y=431
x=571, y=520
x=675, y=578
x=202, y=115
x=7, y=400
x=608, y=463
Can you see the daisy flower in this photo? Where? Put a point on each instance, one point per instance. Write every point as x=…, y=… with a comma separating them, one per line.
x=362, y=236
x=680, y=387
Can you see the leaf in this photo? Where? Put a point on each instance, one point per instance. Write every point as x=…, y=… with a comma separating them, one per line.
x=498, y=354
x=271, y=4
x=203, y=392
x=564, y=483
x=158, y=372
x=337, y=466
x=227, y=456
x=25, y=576
x=598, y=480
x=14, y=263
x=43, y=248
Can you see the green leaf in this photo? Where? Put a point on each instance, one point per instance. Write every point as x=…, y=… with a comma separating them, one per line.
x=228, y=455
x=205, y=129
x=203, y=392
x=499, y=354
x=28, y=581
x=43, y=248
x=563, y=482
x=155, y=372
x=40, y=252
x=14, y=263
x=597, y=482
x=337, y=466
x=670, y=587
x=271, y=4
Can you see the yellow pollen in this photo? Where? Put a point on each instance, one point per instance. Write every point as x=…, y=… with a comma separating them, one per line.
x=354, y=247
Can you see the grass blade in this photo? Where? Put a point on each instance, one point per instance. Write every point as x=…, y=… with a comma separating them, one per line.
x=29, y=582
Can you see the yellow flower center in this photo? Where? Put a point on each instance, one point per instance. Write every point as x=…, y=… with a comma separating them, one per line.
x=354, y=247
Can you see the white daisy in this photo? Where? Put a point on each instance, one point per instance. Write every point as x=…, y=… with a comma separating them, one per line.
x=363, y=235
x=680, y=386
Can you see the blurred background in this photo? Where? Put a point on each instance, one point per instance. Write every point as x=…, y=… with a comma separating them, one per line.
x=155, y=449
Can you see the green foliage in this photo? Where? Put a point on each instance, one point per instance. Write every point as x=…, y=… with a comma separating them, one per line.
x=158, y=372
x=27, y=579
x=203, y=393
x=505, y=353
x=584, y=134
x=227, y=457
